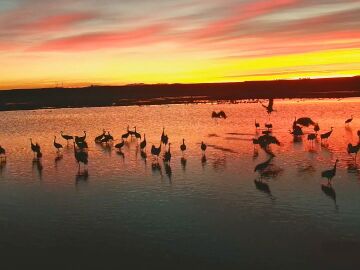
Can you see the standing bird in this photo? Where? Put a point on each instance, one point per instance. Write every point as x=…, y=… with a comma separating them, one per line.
x=326, y=135
x=2, y=154
x=66, y=137
x=257, y=125
x=358, y=133
x=100, y=137
x=348, y=121
x=329, y=174
x=58, y=146
x=36, y=149
x=311, y=137
x=203, y=146
x=164, y=138
x=155, y=151
x=183, y=146
x=143, y=143
x=81, y=157
x=167, y=155
x=80, y=138
x=120, y=145
x=126, y=135
x=316, y=128
x=353, y=149
x=270, y=107
x=305, y=121
x=137, y=134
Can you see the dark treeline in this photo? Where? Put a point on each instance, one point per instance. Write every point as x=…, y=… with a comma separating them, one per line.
x=177, y=93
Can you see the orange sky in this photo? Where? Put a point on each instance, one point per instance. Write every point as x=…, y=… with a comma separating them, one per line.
x=75, y=43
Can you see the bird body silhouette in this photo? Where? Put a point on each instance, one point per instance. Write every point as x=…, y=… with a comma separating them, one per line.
x=36, y=149
x=137, y=134
x=126, y=135
x=80, y=138
x=100, y=137
x=155, y=151
x=2, y=153
x=58, y=146
x=353, y=149
x=143, y=143
x=220, y=114
x=257, y=125
x=167, y=155
x=66, y=137
x=80, y=156
x=183, y=146
x=329, y=174
x=348, y=121
x=317, y=128
x=164, y=138
x=326, y=135
x=203, y=146
x=311, y=137
x=305, y=121
x=120, y=145
x=270, y=107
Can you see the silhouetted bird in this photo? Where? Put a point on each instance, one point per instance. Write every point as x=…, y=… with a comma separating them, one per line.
x=269, y=108
x=107, y=138
x=329, y=174
x=311, y=137
x=58, y=146
x=262, y=166
x=36, y=149
x=120, y=145
x=203, y=146
x=80, y=156
x=155, y=151
x=82, y=144
x=136, y=134
x=297, y=131
x=305, y=121
x=326, y=135
x=80, y=138
x=164, y=138
x=167, y=155
x=353, y=149
x=265, y=140
x=257, y=125
x=143, y=143
x=183, y=146
x=66, y=137
x=2, y=153
x=100, y=137
x=348, y=121
x=268, y=125
x=126, y=135
x=316, y=128
x=220, y=114
x=358, y=133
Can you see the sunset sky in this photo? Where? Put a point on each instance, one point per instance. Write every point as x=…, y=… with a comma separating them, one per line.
x=82, y=42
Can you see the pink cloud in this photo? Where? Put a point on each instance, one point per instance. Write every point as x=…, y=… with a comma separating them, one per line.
x=240, y=14
x=101, y=40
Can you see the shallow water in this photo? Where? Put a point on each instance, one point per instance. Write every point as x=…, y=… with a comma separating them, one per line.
x=203, y=214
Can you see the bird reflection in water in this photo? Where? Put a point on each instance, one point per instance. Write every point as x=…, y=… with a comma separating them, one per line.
x=203, y=160
x=81, y=177
x=36, y=164
x=58, y=158
x=155, y=167
x=183, y=163
x=121, y=154
x=219, y=164
x=2, y=166
x=168, y=170
x=352, y=167
x=330, y=192
x=263, y=187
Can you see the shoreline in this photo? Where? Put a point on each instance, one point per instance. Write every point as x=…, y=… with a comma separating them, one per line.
x=166, y=94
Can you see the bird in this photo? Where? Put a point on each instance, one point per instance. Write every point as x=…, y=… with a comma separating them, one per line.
x=358, y=133
x=326, y=135
x=143, y=143
x=311, y=137
x=100, y=137
x=268, y=125
x=58, y=146
x=203, y=146
x=120, y=145
x=80, y=156
x=167, y=155
x=257, y=125
x=262, y=166
x=297, y=131
x=107, y=137
x=66, y=137
x=305, y=121
x=270, y=107
x=353, y=149
x=164, y=138
x=316, y=128
x=80, y=138
x=348, y=121
x=222, y=114
x=137, y=134
x=36, y=149
x=82, y=144
x=183, y=146
x=2, y=153
x=126, y=135
x=329, y=174
x=155, y=151
x=265, y=140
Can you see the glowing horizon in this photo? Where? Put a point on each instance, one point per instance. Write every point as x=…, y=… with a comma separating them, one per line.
x=78, y=43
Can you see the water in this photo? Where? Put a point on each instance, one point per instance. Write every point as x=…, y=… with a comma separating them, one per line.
x=207, y=215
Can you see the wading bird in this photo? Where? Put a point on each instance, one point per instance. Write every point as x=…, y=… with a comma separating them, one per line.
x=305, y=121
x=203, y=147
x=100, y=137
x=81, y=157
x=270, y=107
x=353, y=149
x=329, y=174
x=126, y=135
x=66, y=137
x=58, y=146
x=155, y=151
x=136, y=134
x=348, y=121
x=167, y=155
x=311, y=137
x=143, y=143
x=257, y=125
x=183, y=146
x=326, y=135
x=164, y=138
x=80, y=138
x=120, y=145
x=316, y=128
x=36, y=149
x=2, y=154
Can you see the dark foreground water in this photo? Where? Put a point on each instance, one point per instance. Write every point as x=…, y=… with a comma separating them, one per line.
x=193, y=214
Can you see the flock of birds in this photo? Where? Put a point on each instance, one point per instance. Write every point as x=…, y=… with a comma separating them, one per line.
x=80, y=145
